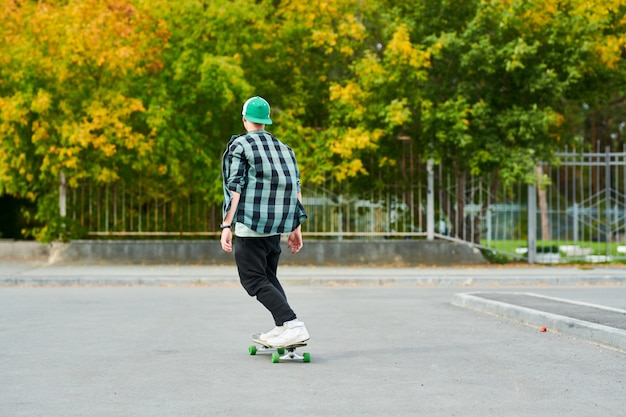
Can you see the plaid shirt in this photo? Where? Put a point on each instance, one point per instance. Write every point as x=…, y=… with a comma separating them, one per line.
x=264, y=171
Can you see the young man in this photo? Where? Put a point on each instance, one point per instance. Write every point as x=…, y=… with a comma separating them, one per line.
x=262, y=199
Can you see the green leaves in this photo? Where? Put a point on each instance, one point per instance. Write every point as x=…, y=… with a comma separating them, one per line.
x=148, y=91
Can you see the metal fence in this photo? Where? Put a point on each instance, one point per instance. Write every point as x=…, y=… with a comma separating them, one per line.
x=583, y=212
x=132, y=210
x=578, y=213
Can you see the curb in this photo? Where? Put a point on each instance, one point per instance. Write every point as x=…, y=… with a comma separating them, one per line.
x=41, y=274
x=605, y=335
x=86, y=280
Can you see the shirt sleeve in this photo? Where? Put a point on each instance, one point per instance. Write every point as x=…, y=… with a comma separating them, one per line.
x=238, y=167
x=227, y=174
x=295, y=163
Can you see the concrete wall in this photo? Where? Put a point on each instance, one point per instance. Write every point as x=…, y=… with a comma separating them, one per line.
x=379, y=253
x=23, y=250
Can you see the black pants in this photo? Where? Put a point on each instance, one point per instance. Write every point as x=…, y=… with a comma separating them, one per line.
x=257, y=262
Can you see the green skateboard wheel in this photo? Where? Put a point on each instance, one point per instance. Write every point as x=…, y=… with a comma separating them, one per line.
x=252, y=350
x=306, y=357
x=281, y=351
x=275, y=357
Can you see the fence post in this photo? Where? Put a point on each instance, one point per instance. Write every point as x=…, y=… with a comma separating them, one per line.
x=489, y=231
x=532, y=224
x=62, y=195
x=430, y=202
x=575, y=221
x=62, y=200
x=607, y=197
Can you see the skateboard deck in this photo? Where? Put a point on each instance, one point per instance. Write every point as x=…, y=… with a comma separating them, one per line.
x=278, y=353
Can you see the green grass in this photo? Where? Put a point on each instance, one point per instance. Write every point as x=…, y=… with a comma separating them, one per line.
x=498, y=251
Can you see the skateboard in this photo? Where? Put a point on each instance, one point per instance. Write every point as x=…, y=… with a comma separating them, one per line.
x=280, y=353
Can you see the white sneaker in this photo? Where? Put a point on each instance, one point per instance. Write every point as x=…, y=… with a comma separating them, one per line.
x=276, y=331
x=294, y=332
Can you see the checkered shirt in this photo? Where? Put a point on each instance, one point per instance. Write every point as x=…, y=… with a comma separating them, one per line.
x=264, y=171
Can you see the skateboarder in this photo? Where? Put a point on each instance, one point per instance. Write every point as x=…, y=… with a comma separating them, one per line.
x=262, y=199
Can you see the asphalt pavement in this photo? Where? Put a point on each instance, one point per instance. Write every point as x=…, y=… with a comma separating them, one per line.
x=172, y=340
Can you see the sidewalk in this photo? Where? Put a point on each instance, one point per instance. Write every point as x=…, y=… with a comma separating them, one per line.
x=24, y=273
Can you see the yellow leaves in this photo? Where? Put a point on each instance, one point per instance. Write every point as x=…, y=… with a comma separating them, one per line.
x=325, y=39
x=349, y=169
x=538, y=17
x=106, y=175
x=352, y=28
x=13, y=111
x=102, y=143
x=355, y=139
x=70, y=162
x=589, y=26
x=105, y=127
x=610, y=51
x=135, y=105
x=385, y=161
x=534, y=15
x=346, y=50
x=40, y=131
x=593, y=11
x=401, y=52
x=341, y=38
x=334, y=26
x=109, y=35
x=397, y=113
x=350, y=95
x=41, y=102
x=81, y=146
x=370, y=71
x=20, y=163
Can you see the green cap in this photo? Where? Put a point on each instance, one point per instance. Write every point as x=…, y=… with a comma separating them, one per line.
x=257, y=110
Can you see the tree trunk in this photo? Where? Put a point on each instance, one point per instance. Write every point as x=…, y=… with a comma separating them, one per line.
x=543, y=206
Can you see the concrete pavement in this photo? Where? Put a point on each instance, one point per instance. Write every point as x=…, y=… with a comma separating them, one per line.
x=602, y=324
x=102, y=340
x=42, y=273
x=598, y=323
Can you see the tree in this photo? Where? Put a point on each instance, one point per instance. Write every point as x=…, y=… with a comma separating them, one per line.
x=147, y=92
x=194, y=103
x=67, y=103
x=490, y=82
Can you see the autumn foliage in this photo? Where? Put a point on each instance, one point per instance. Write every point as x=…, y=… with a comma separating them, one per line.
x=103, y=91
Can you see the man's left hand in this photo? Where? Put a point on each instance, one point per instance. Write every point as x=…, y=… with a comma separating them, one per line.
x=295, y=240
